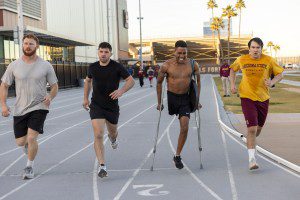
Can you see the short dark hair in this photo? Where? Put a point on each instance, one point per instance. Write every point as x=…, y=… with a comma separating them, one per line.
x=257, y=40
x=104, y=45
x=31, y=36
x=180, y=43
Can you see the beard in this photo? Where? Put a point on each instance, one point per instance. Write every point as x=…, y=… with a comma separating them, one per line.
x=31, y=53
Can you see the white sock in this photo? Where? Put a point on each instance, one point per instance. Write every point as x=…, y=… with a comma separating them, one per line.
x=29, y=163
x=251, y=153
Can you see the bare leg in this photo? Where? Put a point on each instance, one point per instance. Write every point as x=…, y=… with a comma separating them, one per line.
x=32, y=136
x=98, y=126
x=184, y=127
x=112, y=130
x=21, y=141
x=259, y=128
x=251, y=137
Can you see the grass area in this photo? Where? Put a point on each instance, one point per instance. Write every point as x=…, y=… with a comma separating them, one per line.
x=291, y=78
x=282, y=101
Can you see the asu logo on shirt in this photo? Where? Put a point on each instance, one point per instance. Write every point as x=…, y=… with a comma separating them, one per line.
x=254, y=72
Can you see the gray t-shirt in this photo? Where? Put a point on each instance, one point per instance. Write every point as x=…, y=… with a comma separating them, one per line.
x=31, y=82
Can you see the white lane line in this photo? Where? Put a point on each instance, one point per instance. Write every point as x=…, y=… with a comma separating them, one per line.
x=82, y=110
x=49, y=169
x=110, y=170
x=12, y=150
x=5, y=133
x=126, y=95
x=210, y=191
x=135, y=173
x=4, y=153
x=6, y=169
x=263, y=157
x=95, y=175
x=230, y=174
x=272, y=157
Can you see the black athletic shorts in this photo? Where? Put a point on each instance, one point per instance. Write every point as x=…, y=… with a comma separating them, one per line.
x=34, y=120
x=179, y=104
x=97, y=112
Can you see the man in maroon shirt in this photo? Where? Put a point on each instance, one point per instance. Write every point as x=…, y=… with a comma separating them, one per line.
x=224, y=74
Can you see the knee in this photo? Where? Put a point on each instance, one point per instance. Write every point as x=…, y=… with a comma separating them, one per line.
x=31, y=139
x=99, y=135
x=252, y=131
x=20, y=143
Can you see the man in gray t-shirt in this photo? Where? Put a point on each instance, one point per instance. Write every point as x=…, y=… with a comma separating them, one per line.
x=31, y=75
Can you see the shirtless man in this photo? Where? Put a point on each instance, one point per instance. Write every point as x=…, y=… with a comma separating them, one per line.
x=179, y=72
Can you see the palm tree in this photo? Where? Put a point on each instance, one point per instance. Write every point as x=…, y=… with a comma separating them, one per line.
x=239, y=5
x=270, y=45
x=211, y=4
x=229, y=12
x=216, y=25
x=276, y=48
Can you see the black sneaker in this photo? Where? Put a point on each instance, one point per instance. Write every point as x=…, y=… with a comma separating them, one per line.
x=177, y=161
x=102, y=172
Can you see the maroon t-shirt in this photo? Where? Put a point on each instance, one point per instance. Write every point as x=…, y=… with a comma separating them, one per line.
x=225, y=70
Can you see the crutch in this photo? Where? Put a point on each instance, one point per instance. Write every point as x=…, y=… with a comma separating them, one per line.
x=158, y=123
x=198, y=130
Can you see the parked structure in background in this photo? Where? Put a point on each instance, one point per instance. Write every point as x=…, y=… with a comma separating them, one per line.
x=157, y=51
x=69, y=33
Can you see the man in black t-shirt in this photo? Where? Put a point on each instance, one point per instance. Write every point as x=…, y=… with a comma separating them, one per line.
x=104, y=75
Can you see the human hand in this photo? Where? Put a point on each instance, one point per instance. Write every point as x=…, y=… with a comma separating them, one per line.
x=160, y=107
x=47, y=100
x=233, y=89
x=5, y=111
x=86, y=104
x=116, y=94
x=268, y=83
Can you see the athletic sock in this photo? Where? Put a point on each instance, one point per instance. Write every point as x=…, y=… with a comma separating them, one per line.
x=102, y=166
x=251, y=153
x=29, y=163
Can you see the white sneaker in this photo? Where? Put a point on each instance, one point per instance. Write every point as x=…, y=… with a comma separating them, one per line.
x=25, y=149
x=28, y=173
x=252, y=164
x=114, y=144
x=102, y=171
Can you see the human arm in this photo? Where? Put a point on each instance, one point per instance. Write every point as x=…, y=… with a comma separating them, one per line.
x=197, y=73
x=160, y=79
x=129, y=83
x=3, y=95
x=52, y=94
x=271, y=82
x=232, y=78
x=86, y=92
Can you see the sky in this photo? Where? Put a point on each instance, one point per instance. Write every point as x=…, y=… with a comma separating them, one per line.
x=271, y=20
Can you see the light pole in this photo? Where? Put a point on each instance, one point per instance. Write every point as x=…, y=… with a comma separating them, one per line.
x=20, y=28
x=141, y=42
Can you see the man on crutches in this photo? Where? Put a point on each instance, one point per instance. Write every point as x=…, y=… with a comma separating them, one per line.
x=179, y=72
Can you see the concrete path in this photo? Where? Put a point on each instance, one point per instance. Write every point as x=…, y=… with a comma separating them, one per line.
x=65, y=165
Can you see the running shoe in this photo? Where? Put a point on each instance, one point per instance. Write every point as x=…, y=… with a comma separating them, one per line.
x=113, y=143
x=252, y=164
x=102, y=171
x=177, y=161
x=25, y=149
x=28, y=173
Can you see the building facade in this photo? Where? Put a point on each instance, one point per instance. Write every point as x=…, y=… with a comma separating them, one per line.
x=207, y=32
x=68, y=30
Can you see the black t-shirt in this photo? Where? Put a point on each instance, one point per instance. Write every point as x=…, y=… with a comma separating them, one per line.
x=106, y=80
